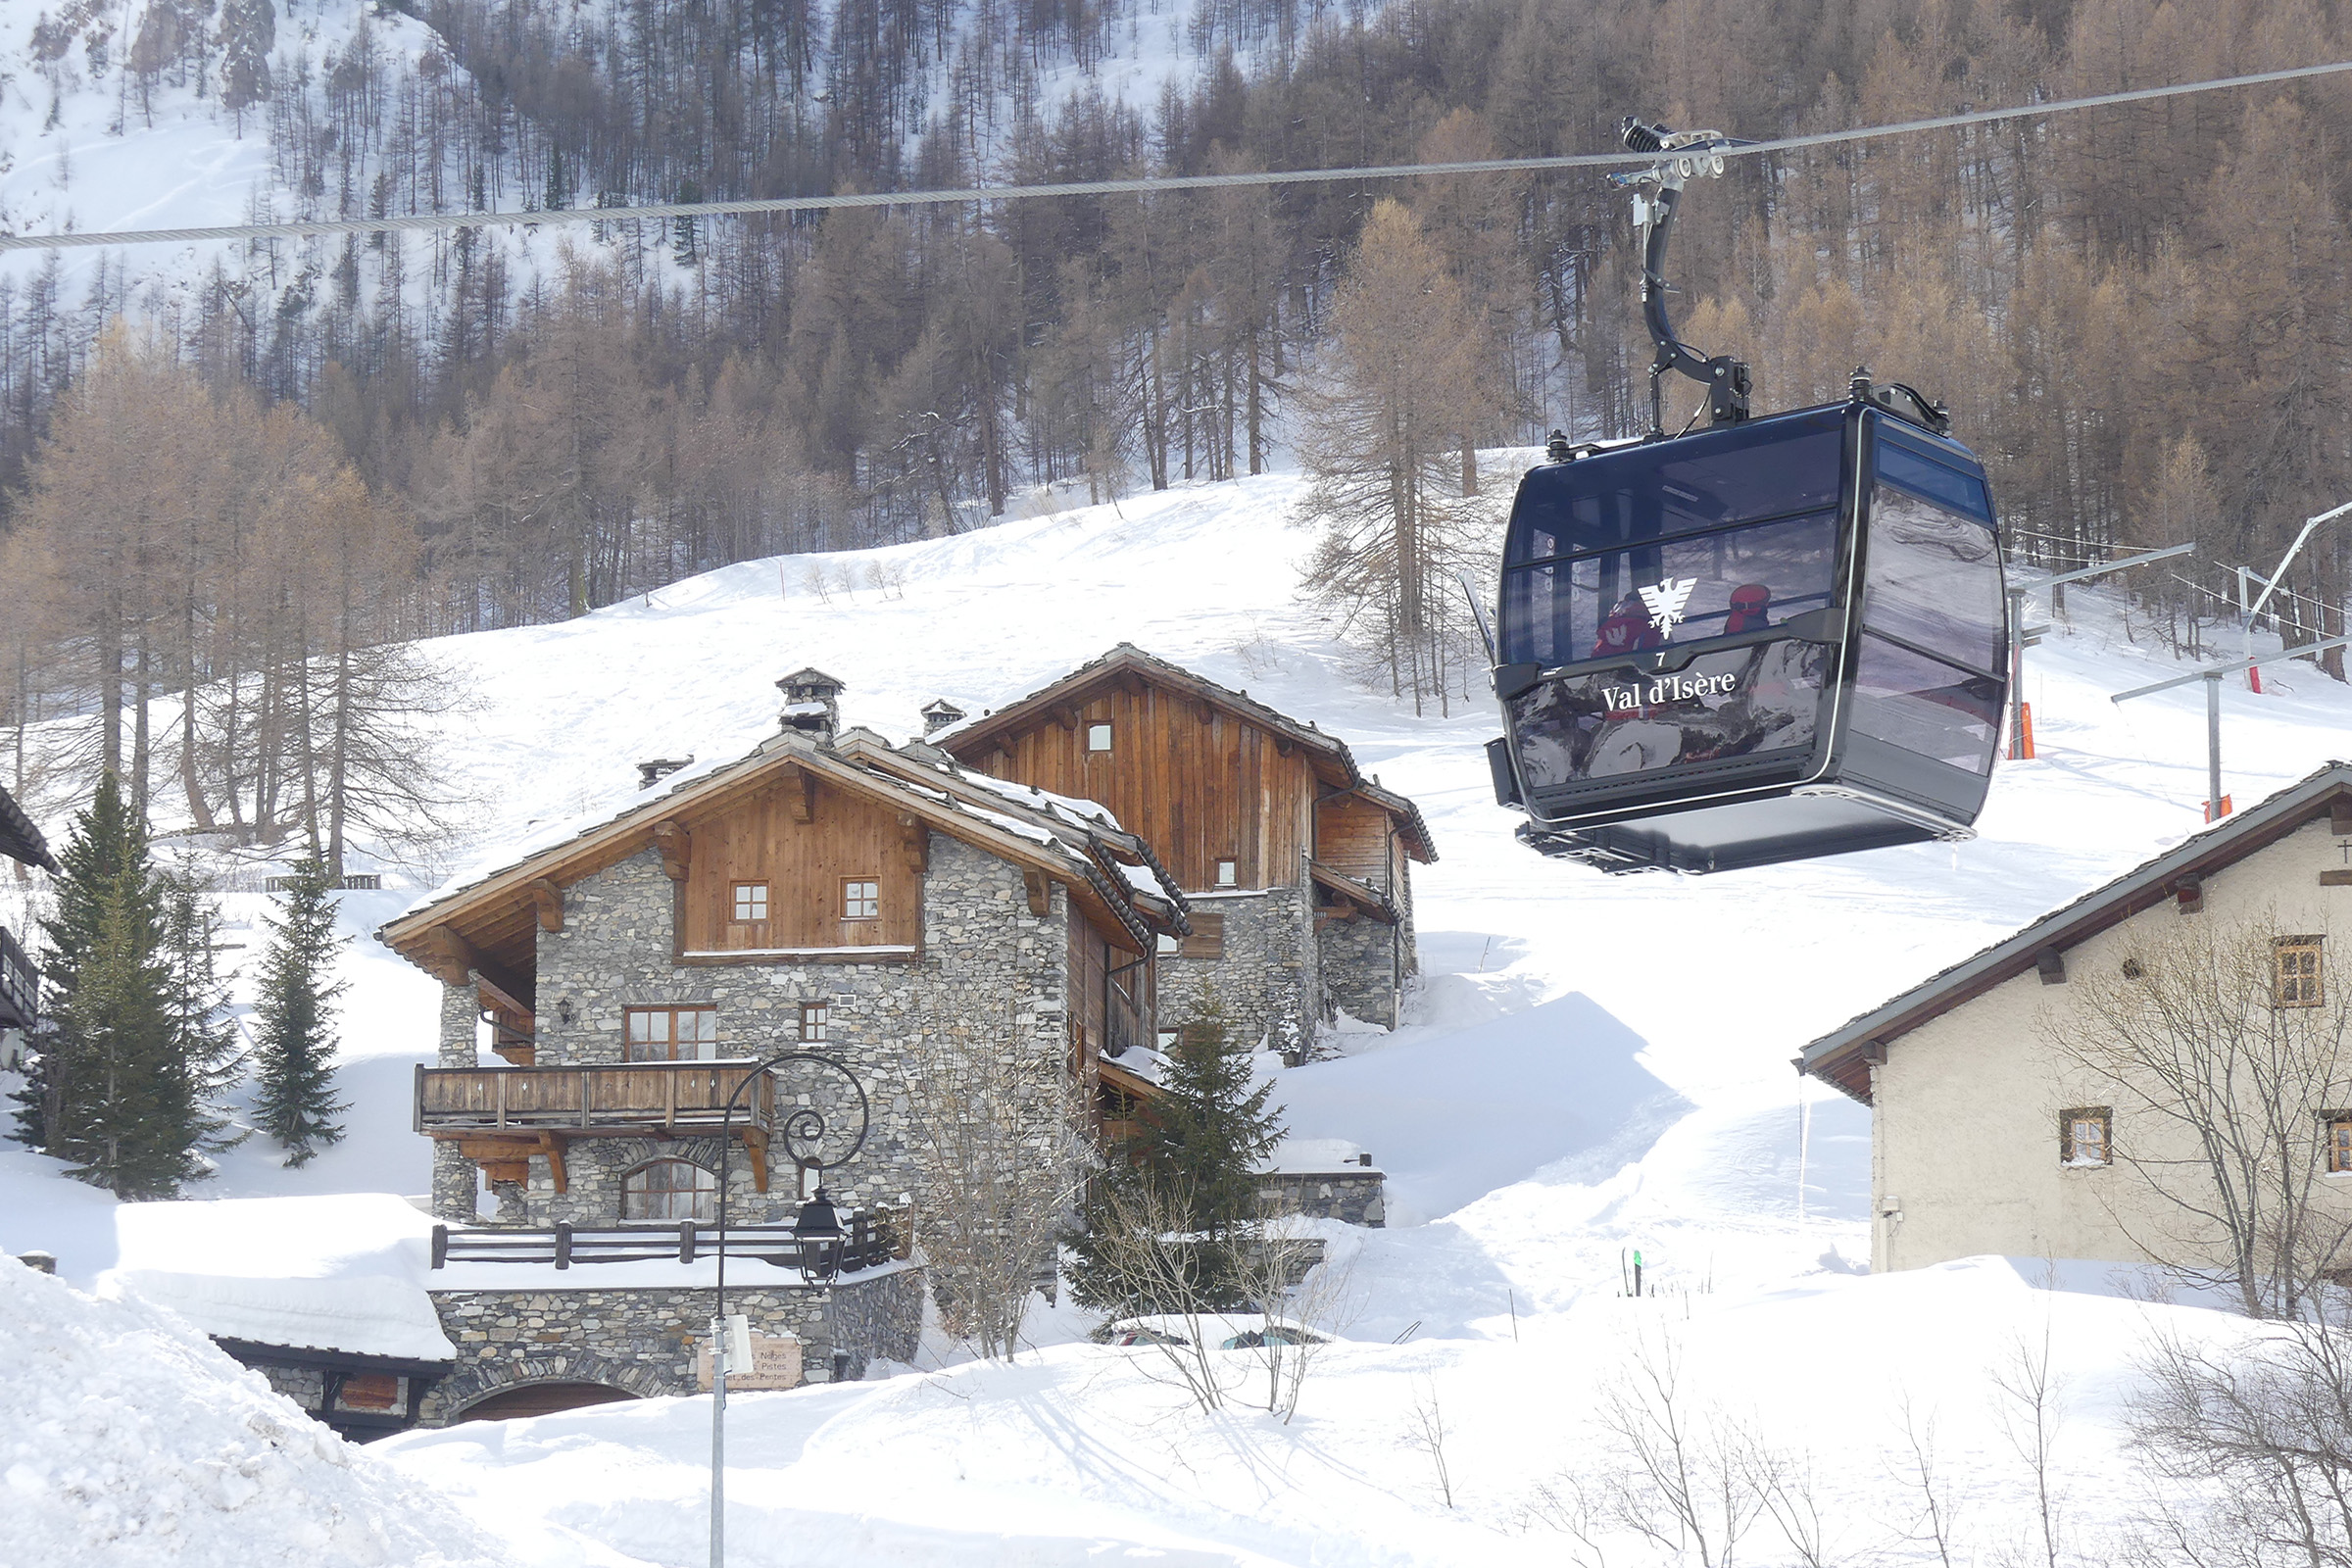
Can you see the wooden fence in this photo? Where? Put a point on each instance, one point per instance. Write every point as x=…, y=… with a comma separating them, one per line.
x=866, y=1242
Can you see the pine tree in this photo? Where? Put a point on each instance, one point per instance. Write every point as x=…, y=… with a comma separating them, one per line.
x=111, y=1092
x=1210, y=1129
x=196, y=1000
x=248, y=32
x=295, y=1017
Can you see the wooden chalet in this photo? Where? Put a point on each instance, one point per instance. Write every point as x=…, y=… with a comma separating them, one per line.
x=629, y=972
x=1297, y=864
x=19, y=981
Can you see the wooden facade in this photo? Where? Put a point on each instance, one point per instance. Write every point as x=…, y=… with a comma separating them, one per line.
x=803, y=841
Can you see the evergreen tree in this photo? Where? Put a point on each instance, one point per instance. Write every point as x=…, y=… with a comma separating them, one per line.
x=295, y=1017
x=196, y=998
x=1194, y=1168
x=111, y=1091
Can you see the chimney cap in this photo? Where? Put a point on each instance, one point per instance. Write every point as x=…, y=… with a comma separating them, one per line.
x=654, y=769
x=938, y=714
x=811, y=677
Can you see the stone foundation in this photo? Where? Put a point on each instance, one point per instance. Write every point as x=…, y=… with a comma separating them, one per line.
x=1267, y=984
x=646, y=1339
x=1363, y=969
x=1355, y=1196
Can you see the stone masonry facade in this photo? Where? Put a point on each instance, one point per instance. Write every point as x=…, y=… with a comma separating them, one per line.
x=645, y=1341
x=1268, y=983
x=1355, y=1196
x=985, y=963
x=1366, y=964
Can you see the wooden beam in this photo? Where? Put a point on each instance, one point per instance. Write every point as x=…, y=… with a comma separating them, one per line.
x=2053, y=966
x=1064, y=714
x=552, y=1146
x=804, y=799
x=548, y=894
x=1040, y=893
x=502, y=1159
x=914, y=840
x=449, y=955
x=754, y=1147
x=1204, y=711
x=676, y=845
x=1005, y=754
x=2335, y=879
x=2339, y=816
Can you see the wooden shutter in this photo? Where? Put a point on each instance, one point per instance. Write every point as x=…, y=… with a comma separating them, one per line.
x=1207, y=940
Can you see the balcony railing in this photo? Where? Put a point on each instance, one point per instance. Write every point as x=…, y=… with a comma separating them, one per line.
x=19, y=985
x=868, y=1243
x=632, y=1098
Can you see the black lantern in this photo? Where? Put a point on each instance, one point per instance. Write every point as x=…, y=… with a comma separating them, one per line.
x=817, y=1228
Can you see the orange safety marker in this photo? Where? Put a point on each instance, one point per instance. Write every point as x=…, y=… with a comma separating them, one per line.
x=2212, y=816
x=2022, y=750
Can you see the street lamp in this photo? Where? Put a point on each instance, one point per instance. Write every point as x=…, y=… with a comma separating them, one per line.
x=804, y=1133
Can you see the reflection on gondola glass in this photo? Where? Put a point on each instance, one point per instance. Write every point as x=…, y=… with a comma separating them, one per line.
x=1926, y=705
x=1735, y=580
x=1931, y=582
x=1738, y=702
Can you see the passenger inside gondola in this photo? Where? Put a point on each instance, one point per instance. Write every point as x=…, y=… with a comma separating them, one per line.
x=1627, y=629
x=1751, y=609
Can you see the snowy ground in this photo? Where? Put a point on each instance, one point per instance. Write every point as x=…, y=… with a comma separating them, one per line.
x=1599, y=1066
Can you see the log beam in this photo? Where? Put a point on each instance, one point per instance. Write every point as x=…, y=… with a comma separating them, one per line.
x=802, y=799
x=1040, y=893
x=548, y=894
x=755, y=1148
x=552, y=1146
x=914, y=841
x=676, y=845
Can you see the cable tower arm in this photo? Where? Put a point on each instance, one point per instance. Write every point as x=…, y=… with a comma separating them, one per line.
x=1657, y=197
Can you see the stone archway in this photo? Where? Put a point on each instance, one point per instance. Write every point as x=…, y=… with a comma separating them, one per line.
x=521, y=1400
x=570, y=1378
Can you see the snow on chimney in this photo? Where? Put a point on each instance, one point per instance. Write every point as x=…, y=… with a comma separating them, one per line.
x=811, y=704
x=654, y=769
x=938, y=714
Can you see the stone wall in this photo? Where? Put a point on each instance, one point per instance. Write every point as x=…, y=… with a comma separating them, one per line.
x=1268, y=983
x=986, y=964
x=646, y=1339
x=1355, y=1196
x=1362, y=968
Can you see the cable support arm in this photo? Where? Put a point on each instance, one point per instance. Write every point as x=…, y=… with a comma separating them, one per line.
x=1657, y=196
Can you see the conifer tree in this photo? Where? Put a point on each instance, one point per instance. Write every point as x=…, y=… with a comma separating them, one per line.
x=294, y=1017
x=196, y=1000
x=110, y=1092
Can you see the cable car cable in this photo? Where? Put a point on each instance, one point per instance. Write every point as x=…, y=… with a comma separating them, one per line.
x=426, y=222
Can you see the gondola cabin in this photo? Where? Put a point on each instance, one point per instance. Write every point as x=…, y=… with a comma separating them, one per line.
x=1770, y=640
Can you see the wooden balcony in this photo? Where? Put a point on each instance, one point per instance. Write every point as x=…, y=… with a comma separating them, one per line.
x=865, y=1243
x=502, y=1116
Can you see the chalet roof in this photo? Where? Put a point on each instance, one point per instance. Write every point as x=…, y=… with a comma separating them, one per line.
x=1333, y=762
x=811, y=675
x=20, y=840
x=1058, y=839
x=1841, y=1057
x=940, y=705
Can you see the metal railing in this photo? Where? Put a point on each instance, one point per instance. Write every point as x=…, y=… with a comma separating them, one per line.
x=866, y=1242
x=619, y=1098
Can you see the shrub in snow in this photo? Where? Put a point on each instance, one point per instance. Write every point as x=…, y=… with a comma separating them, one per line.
x=127, y=1437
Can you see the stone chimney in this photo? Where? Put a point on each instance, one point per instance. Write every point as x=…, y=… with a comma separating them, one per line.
x=811, y=704
x=938, y=714
x=654, y=769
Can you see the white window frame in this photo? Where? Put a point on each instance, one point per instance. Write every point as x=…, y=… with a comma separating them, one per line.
x=750, y=903
x=1229, y=873
x=1097, y=736
x=869, y=902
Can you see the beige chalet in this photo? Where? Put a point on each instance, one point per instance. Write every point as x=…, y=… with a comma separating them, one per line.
x=1297, y=866
x=2012, y=1113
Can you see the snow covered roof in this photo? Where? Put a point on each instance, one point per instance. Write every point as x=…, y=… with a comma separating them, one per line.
x=20, y=839
x=1049, y=833
x=1334, y=762
x=1842, y=1056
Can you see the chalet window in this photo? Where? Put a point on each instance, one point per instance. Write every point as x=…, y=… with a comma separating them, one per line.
x=368, y=1390
x=860, y=900
x=750, y=902
x=672, y=1034
x=668, y=1189
x=2085, y=1136
x=1098, y=737
x=2297, y=981
x=1169, y=946
x=1229, y=873
x=1207, y=940
x=1167, y=1042
x=2338, y=1126
x=817, y=1022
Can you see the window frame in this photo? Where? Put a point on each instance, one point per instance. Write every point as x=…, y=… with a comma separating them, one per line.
x=631, y=1187
x=2307, y=988
x=819, y=1013
x=871, y=900
x=1099, y=728
x=2336, y=1142
x=669, y=1011
x=1227, y=871
x=2068, y=1155
x=760, y=892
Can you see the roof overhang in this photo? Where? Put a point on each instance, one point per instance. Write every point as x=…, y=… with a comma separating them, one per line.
x=1844, y=1056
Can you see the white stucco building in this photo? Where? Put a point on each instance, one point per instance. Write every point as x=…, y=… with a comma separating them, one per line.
x=1988, y=1136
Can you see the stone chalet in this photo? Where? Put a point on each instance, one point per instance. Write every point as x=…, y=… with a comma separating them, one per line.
x=1297, y=867
x=827, y=892
x=1988, y=1138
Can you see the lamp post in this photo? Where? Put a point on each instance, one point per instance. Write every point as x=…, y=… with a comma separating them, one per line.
x=804, y=1128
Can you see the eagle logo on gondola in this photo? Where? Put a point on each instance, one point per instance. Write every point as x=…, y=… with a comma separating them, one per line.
x=1666, y=600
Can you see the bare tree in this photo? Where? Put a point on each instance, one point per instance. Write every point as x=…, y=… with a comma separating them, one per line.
x=995, y=1122
x=2030, y=1409
x=2221, y=1087
x=1427, y=1430
x=1917, y=1467
x=1686, y=1477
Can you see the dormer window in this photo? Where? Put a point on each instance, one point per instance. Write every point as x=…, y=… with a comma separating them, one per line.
x=1098, y=737
x=750, y=902
x=1229, y=873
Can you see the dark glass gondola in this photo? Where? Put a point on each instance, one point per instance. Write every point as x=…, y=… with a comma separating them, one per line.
x=1772, y=639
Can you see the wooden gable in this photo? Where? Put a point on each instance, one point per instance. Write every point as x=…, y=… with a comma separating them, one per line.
x=1357, y=838
x=1197, y=782
x=810, y=849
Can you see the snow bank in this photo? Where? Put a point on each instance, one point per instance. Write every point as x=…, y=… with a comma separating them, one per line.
x=127, y=1438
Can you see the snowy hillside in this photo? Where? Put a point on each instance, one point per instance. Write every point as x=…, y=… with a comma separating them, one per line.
x=1600, y=1065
